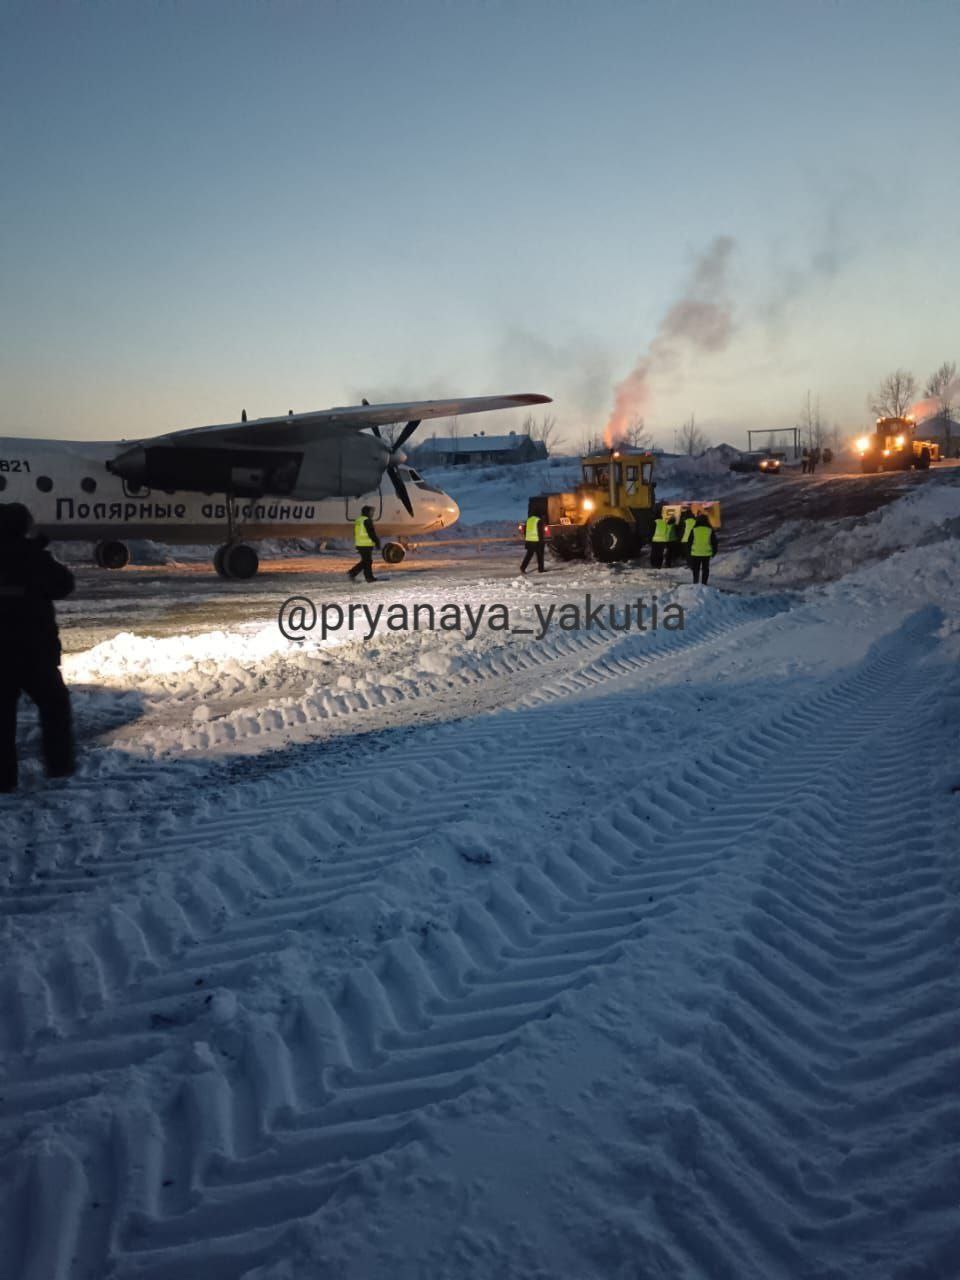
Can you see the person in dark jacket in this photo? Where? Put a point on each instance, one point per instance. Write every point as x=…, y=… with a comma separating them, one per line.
x=703, y=547
x=365, y=538
x=30, y=580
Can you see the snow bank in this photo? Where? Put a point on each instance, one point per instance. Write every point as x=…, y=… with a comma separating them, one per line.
x=806, y=551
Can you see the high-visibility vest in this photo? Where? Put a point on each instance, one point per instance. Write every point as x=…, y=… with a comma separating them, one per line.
x=532, y=530
x=701, y=544
x=661, y=531
x=688, y=527
x=361, y=538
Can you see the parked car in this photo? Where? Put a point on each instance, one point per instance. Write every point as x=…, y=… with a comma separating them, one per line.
x=766, y=463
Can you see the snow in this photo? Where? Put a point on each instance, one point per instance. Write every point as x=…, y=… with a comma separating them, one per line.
x=595, y=955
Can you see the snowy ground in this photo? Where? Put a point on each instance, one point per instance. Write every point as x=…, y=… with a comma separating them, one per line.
x=592, y=955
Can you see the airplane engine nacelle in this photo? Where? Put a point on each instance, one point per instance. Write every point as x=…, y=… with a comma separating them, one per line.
x=346, y=463
x=350, y=464
x=242, y=472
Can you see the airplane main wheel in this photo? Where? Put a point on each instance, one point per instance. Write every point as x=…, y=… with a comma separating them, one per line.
x=393, y=552
x=218, y=561
x=112, y=555
x=239, y=562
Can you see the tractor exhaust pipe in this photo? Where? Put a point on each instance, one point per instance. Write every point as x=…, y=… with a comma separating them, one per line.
x=612, y=479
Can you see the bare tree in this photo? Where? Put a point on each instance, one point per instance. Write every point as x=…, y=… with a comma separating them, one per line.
x=591, y=444
x=894, y=396
x=546, y=430
x=813, y=429
x=690, y=439
x=943, y=386
x=637, y=436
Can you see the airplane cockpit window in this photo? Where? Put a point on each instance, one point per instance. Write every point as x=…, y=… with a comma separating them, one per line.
x=416, y=478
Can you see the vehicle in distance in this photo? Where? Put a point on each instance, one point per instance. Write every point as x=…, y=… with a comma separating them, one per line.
x=766, y=463
x=894, y=446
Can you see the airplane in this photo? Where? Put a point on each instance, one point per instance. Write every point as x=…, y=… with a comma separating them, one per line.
x=303, y=475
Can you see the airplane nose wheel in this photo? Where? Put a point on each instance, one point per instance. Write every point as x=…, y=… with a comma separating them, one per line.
x=237, y=561
x=393, y=552
x=111, y=555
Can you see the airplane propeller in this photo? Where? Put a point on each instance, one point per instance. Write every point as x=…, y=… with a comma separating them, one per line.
x=399, y=488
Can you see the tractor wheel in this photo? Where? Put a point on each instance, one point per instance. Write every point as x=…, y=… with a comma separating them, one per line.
x=610, y=539
x=566, y=548
x=868, y=468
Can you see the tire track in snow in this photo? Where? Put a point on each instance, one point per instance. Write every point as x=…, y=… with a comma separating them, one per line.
x=57, y=868
x=306, y=1100
x=822, y=1082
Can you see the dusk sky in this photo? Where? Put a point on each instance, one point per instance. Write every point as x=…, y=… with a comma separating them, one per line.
x=212, y=206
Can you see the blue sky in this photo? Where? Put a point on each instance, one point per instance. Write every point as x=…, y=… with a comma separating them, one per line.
x=209, y=206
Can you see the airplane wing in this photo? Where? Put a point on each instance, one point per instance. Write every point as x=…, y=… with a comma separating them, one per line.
x=302, y=428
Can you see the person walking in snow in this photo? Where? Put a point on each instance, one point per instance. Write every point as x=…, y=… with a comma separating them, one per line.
x=30, y=580
x=664, y=533
x=365, y=538
x=533, y=542
x=703, y=547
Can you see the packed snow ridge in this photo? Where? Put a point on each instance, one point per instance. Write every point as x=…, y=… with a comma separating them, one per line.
x=603, y=954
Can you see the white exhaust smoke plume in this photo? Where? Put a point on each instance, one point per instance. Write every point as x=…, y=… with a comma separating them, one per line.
x=700, y=321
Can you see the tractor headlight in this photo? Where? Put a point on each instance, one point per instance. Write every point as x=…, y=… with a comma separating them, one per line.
x=899, y=442
x=588, y=504
x=863, y=444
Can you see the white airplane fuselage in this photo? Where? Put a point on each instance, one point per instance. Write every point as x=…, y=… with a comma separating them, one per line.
x=74, y=498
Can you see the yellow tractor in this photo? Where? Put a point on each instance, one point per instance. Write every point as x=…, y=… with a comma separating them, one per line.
x=893, y=446
x=611, y=513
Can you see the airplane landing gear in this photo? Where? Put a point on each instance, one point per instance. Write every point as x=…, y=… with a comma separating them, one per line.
x=111, y=555
x=393, y=552
x=236, y=560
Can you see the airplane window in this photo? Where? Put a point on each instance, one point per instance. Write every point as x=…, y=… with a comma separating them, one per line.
x=44, y=484
x=3, y=483
x=88, y=485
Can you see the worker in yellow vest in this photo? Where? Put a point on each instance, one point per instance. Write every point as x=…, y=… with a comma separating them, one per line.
x=364, y=539
x=703, y=547
x=664, y=534
x=533, y=542
x=687, y=521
